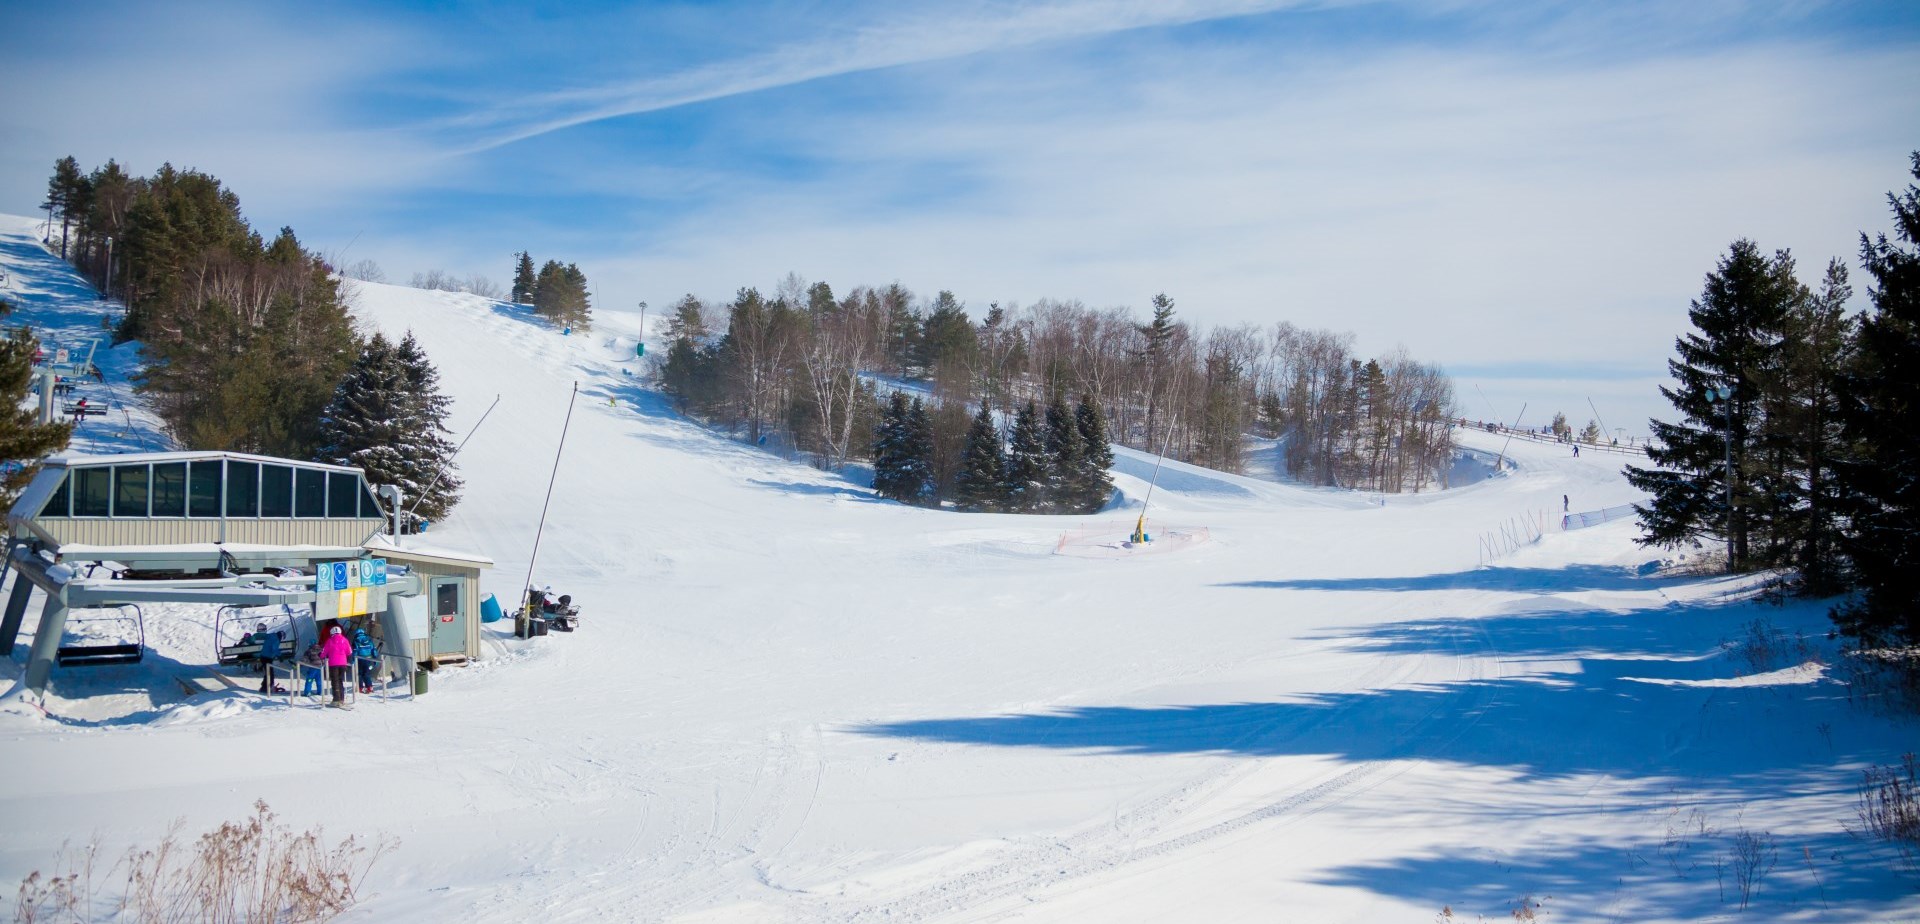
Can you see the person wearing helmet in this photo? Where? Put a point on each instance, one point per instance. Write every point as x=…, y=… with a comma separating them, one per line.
x=339, y=652
x=269, y=652
x=366, y=656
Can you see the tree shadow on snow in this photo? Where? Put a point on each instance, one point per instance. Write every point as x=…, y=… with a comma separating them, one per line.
x=1653, y=877
x=1517, y=580
x=1635, y=694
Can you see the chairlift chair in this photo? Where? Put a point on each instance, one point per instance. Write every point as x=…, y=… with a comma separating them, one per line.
x=96, y=655
x=227, y=645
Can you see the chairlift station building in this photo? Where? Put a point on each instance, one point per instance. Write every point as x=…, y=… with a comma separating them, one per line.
x=221, y=528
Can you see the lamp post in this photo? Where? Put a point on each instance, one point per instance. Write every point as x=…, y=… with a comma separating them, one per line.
x=106, y=286
x=1724, y=395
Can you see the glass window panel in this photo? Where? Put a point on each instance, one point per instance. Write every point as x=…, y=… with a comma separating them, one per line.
x=276, y=491
x=369, y=504
x=169, y=489
x=57, y=504
x=343, y=495
x=203, y=488
x=446, y=600
x=92, y=491
x=243, y=489
x=309, y=493
x=130, y=491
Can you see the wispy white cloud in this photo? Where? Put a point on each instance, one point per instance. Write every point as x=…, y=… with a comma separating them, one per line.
x=949, y=31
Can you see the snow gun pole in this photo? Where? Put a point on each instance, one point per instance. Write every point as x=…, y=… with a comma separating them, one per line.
x=456, y=454
x=1597, y=418
x=527, y=593
x=1140, y=526
x=1501, y=462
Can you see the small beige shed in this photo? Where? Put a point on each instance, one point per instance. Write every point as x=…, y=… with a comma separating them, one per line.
x=443, y=622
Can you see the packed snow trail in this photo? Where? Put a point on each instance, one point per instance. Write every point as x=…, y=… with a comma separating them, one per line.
x=790, y=701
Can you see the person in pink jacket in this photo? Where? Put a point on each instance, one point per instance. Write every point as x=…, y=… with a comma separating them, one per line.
x=339, y=653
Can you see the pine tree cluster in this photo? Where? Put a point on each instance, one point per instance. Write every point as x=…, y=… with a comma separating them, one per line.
x=246, y=343
x=1799, y=443
x=243, y=339
x=1060, y=466
x=388, y=418
x=558, y=292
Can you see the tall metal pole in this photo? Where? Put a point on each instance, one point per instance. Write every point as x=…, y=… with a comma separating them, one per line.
x=1140, y=526
x=1596, y=416
x=527, y=593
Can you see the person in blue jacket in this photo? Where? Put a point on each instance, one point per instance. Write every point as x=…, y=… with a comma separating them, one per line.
x=366, y=657
x=269, y=653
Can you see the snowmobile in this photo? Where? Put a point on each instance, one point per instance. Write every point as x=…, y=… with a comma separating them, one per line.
x=550, y=614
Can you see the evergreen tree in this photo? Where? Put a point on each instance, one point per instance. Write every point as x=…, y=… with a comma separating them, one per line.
x=902, y=347
x=1560, y=427
x=889, y=443
x=1093, y=485
x=1155, y=354
x=1881, y=418
x=688, y=321
x=1738, y=318
x=551, y=291
x=903, y=452
x=66, y=193
x=387, y=418
x=523, y=280
x=1591, y=434
x=1025, y=482
x=576, y=309
x=1063, y=457
x=919, y=452
x=980, y=482
x=23, y=439
x=431, y=443
x=691, y=373
x=908, y=452
x=948, y=344
x=1802, y=437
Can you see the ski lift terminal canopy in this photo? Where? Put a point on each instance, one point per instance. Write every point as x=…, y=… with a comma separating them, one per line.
x=120, y=507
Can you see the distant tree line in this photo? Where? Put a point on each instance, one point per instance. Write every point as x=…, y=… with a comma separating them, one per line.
x=246, y=344
x=558, y=292
x=437, y=280
x=1816, y=411
x=792, y=363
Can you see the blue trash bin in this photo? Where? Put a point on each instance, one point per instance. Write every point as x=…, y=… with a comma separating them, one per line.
x=490, y=609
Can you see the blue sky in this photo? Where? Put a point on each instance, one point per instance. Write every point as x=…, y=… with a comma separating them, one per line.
x=1526, y=193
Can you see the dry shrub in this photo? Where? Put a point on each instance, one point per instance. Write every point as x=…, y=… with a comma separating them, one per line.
x=1890, y=807
x=1751, y=857
x=253, y=871
x=1763, y=647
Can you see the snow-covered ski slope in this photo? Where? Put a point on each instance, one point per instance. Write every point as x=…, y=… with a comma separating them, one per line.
x=792, y=702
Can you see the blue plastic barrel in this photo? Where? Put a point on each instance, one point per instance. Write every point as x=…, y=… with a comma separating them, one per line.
x=490, y=609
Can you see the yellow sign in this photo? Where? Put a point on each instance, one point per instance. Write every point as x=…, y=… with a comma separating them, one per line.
x=353, y=602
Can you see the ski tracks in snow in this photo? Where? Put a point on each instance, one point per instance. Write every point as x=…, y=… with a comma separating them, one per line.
x=1047, y=868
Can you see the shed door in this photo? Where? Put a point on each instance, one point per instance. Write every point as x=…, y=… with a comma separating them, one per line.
x=449, y=602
